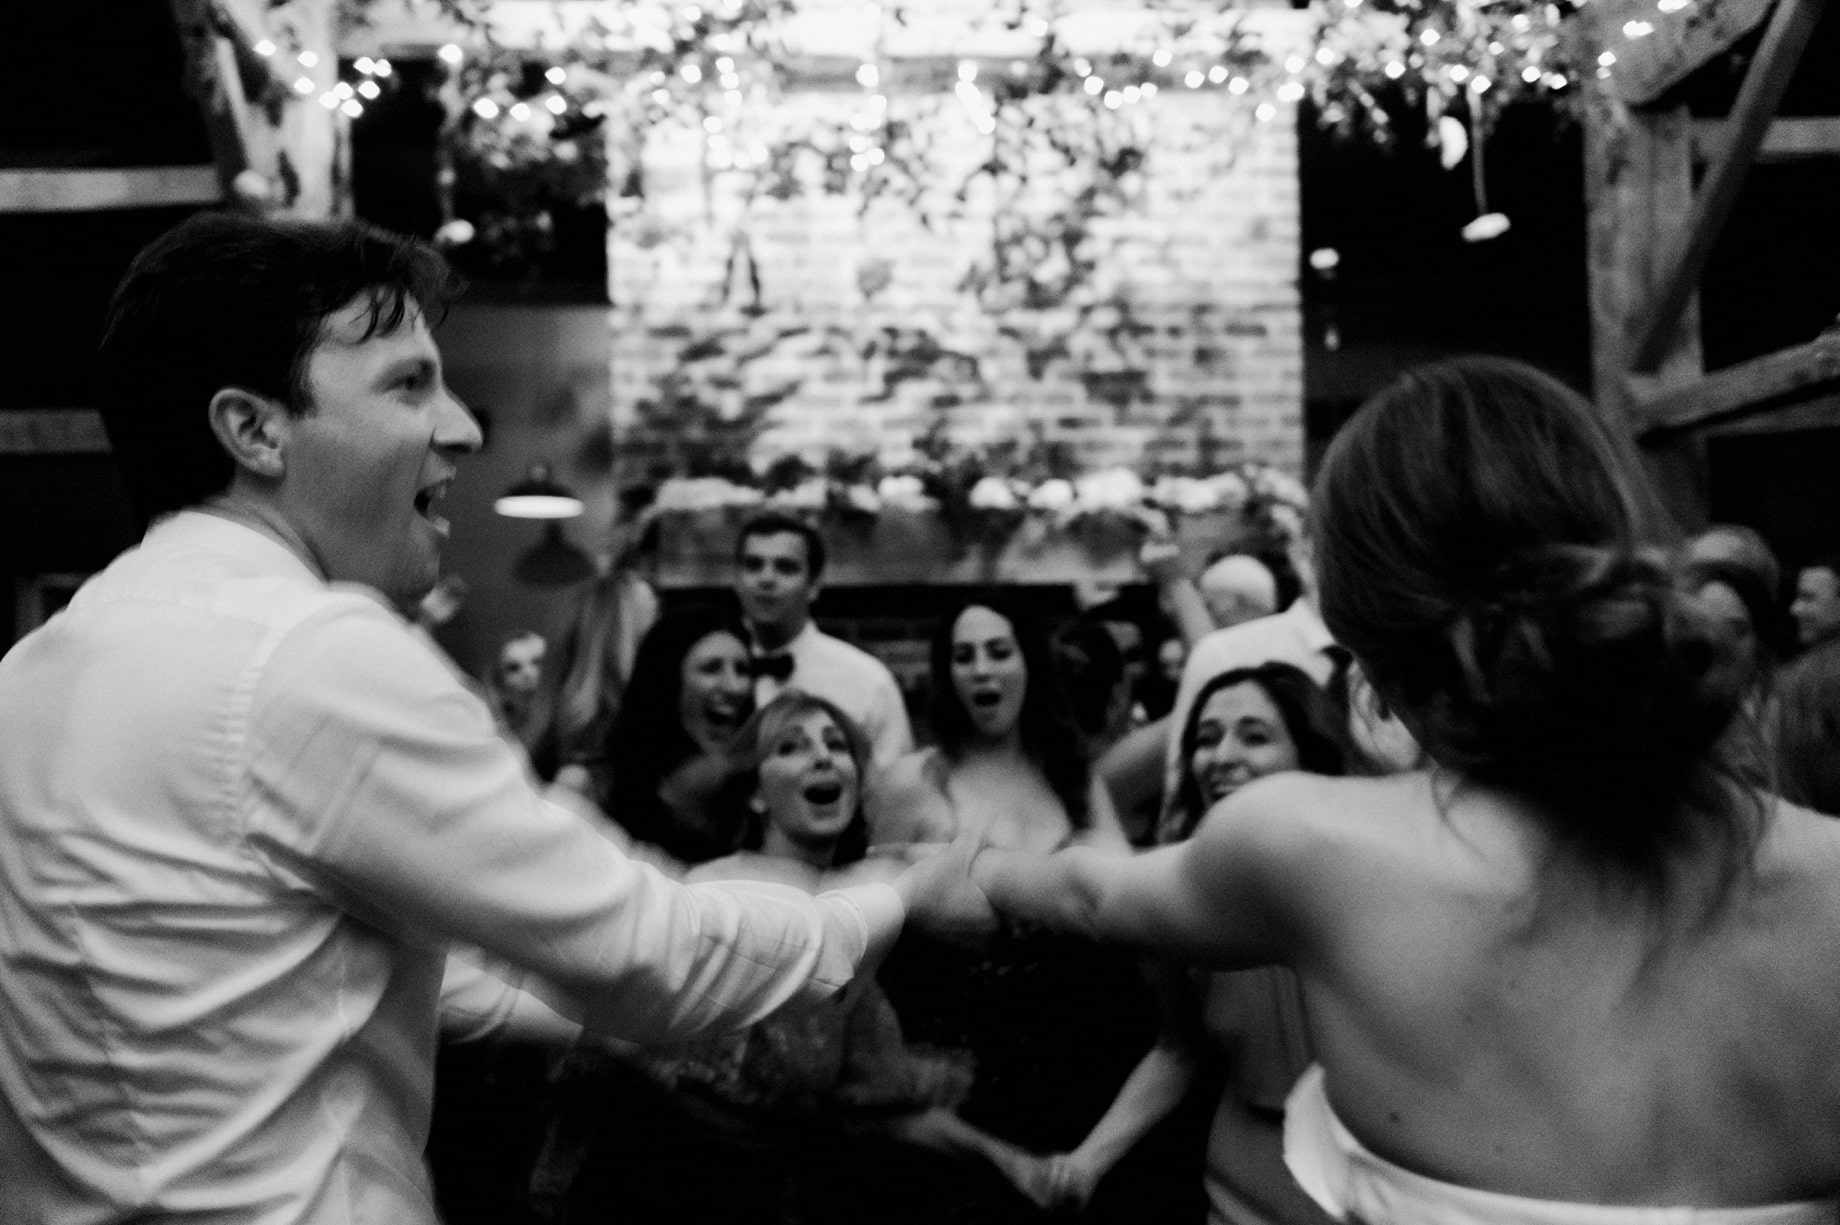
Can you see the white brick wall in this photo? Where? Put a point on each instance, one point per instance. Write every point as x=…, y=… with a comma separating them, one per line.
x=1209, y=265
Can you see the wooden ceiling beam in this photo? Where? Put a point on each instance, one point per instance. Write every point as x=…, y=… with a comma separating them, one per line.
x=1772, y=382
x=1764, y=85
x=1786, y=140
x=95, y=190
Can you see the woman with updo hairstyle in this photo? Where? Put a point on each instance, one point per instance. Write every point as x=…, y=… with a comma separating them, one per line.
x=1576, y=969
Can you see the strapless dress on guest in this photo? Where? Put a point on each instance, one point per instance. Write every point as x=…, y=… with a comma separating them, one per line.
x=1353, y=1184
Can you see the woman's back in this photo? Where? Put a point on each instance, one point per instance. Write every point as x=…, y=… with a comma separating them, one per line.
x=1490, y=1014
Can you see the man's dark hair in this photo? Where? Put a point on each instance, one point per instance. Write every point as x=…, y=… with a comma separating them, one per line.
x=230, y=300
x=776, y=523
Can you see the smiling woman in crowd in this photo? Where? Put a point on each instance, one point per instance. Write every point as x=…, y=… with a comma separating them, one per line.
x=759, y=1128
x=674, y=784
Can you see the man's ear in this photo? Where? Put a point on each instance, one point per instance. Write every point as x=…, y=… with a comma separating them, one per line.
x=252, y=429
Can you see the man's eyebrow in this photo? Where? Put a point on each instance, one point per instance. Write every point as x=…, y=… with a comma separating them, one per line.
x=419, y=363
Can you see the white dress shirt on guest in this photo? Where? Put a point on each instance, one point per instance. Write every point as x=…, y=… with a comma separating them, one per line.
x=857, y=682
x=242, y=815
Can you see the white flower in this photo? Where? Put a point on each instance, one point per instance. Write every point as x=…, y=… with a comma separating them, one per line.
x=1116, y=489
x=809, y=494
x=864, y=499
x=992, y=493
x=1230, y=490
x=1186, y=494
x=703, y=493
x=1052, y=495
x=1288, y=520
x=1283, y=487
x=903, y=490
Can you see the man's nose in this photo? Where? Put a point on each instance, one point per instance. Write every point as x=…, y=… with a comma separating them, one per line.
x=457, y=430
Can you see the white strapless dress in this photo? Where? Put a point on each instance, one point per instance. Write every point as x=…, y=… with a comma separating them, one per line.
x=1353, y=1184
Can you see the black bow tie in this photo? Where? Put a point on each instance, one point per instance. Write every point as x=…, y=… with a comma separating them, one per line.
x=778, y=665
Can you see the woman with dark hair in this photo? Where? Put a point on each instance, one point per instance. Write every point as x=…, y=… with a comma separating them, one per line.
x=1576, y=969
x=751, y=1127
x=1244, y=1026
x=673, y=783
x=1052, y=1024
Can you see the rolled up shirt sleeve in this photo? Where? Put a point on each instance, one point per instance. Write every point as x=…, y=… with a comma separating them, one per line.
x=377, y=779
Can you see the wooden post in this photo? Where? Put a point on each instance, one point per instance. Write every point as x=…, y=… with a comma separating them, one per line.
x=1638, y=198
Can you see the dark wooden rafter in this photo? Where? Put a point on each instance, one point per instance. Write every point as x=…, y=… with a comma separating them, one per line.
x=210, y=38
x=1786, y=140
x=1748, y=389
x=1764, y=85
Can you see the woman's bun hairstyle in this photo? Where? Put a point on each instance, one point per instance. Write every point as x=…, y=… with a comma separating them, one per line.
x=1490, y=550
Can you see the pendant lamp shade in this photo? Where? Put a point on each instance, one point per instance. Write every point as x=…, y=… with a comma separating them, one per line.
x=539, y=496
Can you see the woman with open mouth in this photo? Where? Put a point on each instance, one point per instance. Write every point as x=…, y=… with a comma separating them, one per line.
x=1054, y=1024
x=675, y=786
x=758, y=1128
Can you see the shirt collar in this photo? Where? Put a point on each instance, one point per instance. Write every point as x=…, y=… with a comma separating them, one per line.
x=792, y=646
x=1309, y=625
x=198, y=529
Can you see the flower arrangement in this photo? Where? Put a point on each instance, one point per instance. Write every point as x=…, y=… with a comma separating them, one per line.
x=988, y=505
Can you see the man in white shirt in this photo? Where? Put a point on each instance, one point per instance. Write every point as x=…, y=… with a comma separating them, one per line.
x=244, y=808
x=779, y=567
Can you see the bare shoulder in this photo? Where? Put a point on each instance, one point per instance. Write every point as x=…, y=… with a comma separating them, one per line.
x=1317, y=852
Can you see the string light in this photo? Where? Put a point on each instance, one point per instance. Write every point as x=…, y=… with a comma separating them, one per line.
x=369, y=90
x=1218, y=74
x=303, y=86
x=485, y=108
x=868, y=76
x=382, y=68
x=307, y=59
x=264, y=48
x=1637, y=29
x=351, y=108
x=555, y=104
x=1238, y=85
x=451, y=55
x=520, y=111
x=1195, y=78
x=556, y=76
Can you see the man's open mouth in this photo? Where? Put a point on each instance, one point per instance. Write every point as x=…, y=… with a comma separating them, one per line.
x=426, y=500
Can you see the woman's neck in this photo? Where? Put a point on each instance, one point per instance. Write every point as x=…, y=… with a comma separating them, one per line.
x=821, y=856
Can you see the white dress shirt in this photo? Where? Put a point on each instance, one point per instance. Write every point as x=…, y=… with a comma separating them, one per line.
x=859, y=684
x=242, y=814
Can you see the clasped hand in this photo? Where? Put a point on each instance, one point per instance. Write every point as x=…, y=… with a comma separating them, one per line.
x=934, y=880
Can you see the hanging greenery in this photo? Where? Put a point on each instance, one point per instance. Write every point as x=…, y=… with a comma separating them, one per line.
x=1066, y=140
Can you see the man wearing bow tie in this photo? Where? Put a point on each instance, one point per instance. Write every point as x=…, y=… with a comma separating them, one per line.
x=779, y=564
